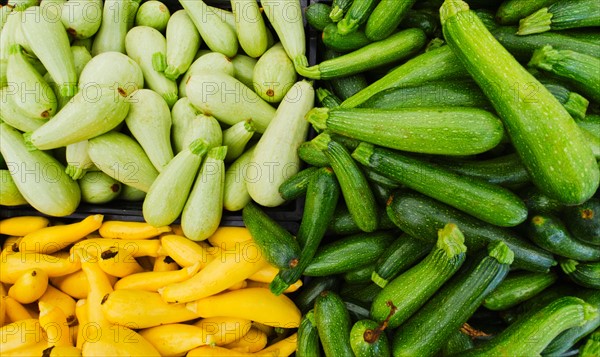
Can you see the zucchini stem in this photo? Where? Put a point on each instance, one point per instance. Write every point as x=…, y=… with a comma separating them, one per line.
x=451, y=240
x=537, y=22
x=576, y=105
x=318, y=118
x=569, y=265
x=451, y=8
x=545, y=58
x=159, y=62
x=199, y=147
x=312, y=72
x=172, y=73
x=322, y=141
x=501, y=252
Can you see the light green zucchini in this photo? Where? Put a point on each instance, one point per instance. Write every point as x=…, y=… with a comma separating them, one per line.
x=154, y=14
x=12, y=115
x=82, y=18
x=183, y=41
x=236, y=137
x=9, y=192
x=86, y=42
x=218, y=35
x=149, y=120
x=110, y=37
x=5, y=10
x=182, y=115
x=132, y=9
x=210, y=62
x=286, y=18
x=228, y=100
x=132, y=194
x=112, y=69
x=250, y=27
x=205, y=127
x=92, y=112
x=40, y=178
x=236, y=196
x=7, y=40
x=274, y=74
x=81, y=57
x=78, y=159
x=123, y=159
x=166, y=197
x=202, y=212
x=97, y=187
x=276, y=155
x=244, y=69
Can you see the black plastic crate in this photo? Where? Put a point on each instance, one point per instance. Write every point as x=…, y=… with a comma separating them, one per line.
x=132, y=211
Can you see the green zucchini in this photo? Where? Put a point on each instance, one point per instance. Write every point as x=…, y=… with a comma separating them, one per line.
x=357, y=312
x=401, y=255
x=342, y=255
x=93, y=111
x=518, y=287
x=360, y=294
x=511, y=11
x=453, y=304
x=274, y=74
x=305, y=299
x=228, y=99
x=244, y=69
x=483, y=200
x=328, y=99
x=335, y=41
x=557, y=290
x=236, y=137
x=317, y=15
x=580, y=69
x=149, y=121
x=277, y=245
x=386, y=17
x=550, y=233
x=148, y=48
x=376, y=178
x=390, y=50
x=9, y=192
x=183, y=41
x=8, y=39
x=421, y=217
x=309, y=153
x=333, y=323
x=39, y=177
x=496, y=72
x=215, y=32
x=355, y=189
x=111, y=69
x=123, y=159
x=561, y=15
x=409, y=291
x=12, y=115
x=167, y=195
x=154, y=14
x=210, y=62
x=110, y=37
x=235, y=195
x=132, y=194
x=433, y=94
x=415, y=129
x=207, y=128
x=367, y=339
x=436, y=65
x=5, y=10
x=81, y=18
x=591, y=347
x=78, y=160
x=286, y=18
x=97, y=187
x=81, y=57
x=583, y=274
x=537, y=202
x=573, y=102
x=342, y=222
x=583, y=221
x=250, y=27
x=360, y=275
x=529, y=336
x=295, y=186
x=308, y=337
x=321, y=198
x=428, y=21
x=357, y=14
x=201, y=215
x=457, y=343
x=182, y=116
x=339, y=9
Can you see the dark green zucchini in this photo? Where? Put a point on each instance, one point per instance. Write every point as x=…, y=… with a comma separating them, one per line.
x=339, y=8
x=562, y=15
x=357, y=14
x=488, y=202
x=333, y=324
x=583, y=221
x=317, y=15
x=360, y=294
x=511, y=11
x=421, y=217
x=342, y=222
x=428, y=21
x=591, y=348
x=573, y=102
x=305, y=300
x=550, y=233
x=349, y=253
x=328, y=99
x=558, y=290
x=295, y=186
x=537, y=202
x=368, y=339
x=386, y=17
x=379, y=179
x=357, y=312
x=426, y=332
x=308, y=337
x=336, y=41
x=582, y=274
x=308, y=152
x=518, y=287
x=360, y=275
x=457, y=343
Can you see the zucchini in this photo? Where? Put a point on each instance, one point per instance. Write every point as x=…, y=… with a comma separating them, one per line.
x=433, y=94
x=167, y=195
x=580, y=69
x=531, y=335
x=453, y=304
x=309, y=153
x=209, y=62
x=183, y=41
x=228, y=99
x=537, y=202
x=342, y=255
x=328, y=99
x=250, y=27
x=110, y=37
x=207, y=128
x=110, y=69
x=386, y=17
x=511, y=11
x=339, y=9
x=305, y=299
x=583, y=274
x=81, y=57
x=123, y=159
x=360, y=294
x=286, y=18
x=357, y=312
x=457, y=343
x=379, y=179
x=415, y=129
x=275, y=157
x=558, y=290
x=132, y=194
x=321, y=198
x=235, y=195
x=421, y=217
x=308, y=337
x=317, y=15
x=573, y=102
x=360, y=275
x=335, y=41
x=583, y=221
x=367, y=339
x=12, y=115
x=182, y=116
x=203, y=208
x=355, y=189
x=409, y=291
x=244, y=69
x=82, y=18
x=295, y=186
x=274, y=74
x=561, y=15
x=213, y=29
x=153, y=13
x=39, y=177
x=333, y=323
x=149, y=121
x=518, y=287
x=536, y=125
x=550, y=233
x=277, y=245
x=9, y=192
x=236, y=137
x=401, y=255
x=97, y=187
x=78, y=159
x=591, y=347
x=93, y=111
x=342, y=222
x=501, y=207
x=357, y=14
x=428, y=21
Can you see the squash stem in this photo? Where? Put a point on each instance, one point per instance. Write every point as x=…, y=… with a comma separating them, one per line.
x=501, y=252
x=318, y=118
x=537, y=22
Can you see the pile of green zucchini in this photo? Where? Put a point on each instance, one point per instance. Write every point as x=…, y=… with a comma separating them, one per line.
x=451, y=190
